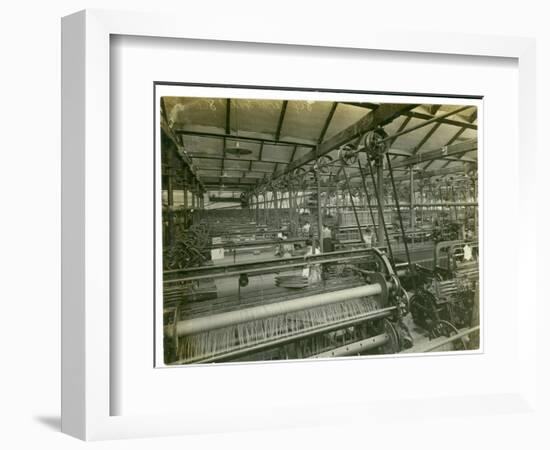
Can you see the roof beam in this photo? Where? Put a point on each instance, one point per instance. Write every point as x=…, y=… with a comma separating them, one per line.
x=219, y=158
x=449, y=142
x=293, y=154
x=444, y=152
x=366, y=105
x=434, y=119
x=214, y=169
x=434, y=108
x=420, y=174
x=456, y=123
x=218, y=185
x=261, y=152
x=382, y=115
x=228, y=117
x=401, y=128
x=327, y=122
x=399, y=152
x=426, y=138
x=241, y=138
x=281, y=120
x=471, y=118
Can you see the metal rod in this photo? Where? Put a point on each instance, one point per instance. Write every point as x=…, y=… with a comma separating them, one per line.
x=380, y=210
x=355, y=347
x=258, y=268
x=396, y=196
x=231, y=318
x=368, y=196
x=353, y=205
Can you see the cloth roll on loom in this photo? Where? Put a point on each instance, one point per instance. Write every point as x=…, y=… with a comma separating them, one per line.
x=234, y=334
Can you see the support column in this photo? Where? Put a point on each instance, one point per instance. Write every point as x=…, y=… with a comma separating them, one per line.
x=337, y=204
x=319, y=211
x=422, y=201
x=412, y=218
x=367, y=196
x=265, y=208
x=185, y=202
x=257, y=208
x=361, y=238
x=185, y=190
x=170, y=194
x=291, y=216
x=476, y=218
x=276, y=209
x=381, y=199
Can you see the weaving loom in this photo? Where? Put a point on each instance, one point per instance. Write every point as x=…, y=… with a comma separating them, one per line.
x=355, y=312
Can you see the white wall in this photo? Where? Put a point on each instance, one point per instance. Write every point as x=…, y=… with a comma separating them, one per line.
x=30, y=186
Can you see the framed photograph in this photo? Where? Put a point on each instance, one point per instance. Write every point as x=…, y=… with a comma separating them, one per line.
x=249, y=217
x=275, y=220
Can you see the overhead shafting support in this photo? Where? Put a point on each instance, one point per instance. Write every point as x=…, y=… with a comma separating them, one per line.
x=382, y=115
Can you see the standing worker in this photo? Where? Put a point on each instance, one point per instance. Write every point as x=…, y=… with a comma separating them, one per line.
x=367, y=237
x=313, y=271
x=326, y=234
x=305, y=228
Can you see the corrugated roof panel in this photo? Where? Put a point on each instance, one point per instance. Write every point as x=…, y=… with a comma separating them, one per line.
x=241, y=165
x=304, y=120
x=260, y=116
x=202, y=145
x=344, y=116
x=207, y=163
x=279, y=153
x=188, y=112
x=263, y=167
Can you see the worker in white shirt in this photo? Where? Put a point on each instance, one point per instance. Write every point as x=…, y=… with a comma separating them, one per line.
x=305, y=228
x=367, y=237
x=312, y=271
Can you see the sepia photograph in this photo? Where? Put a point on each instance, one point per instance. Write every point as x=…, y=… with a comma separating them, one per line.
x=295, y=225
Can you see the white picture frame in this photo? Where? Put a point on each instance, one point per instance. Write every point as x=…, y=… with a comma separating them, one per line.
x=87, y=386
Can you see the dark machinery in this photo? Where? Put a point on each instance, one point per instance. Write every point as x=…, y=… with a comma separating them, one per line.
x=444, y=300
x=190, y=247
